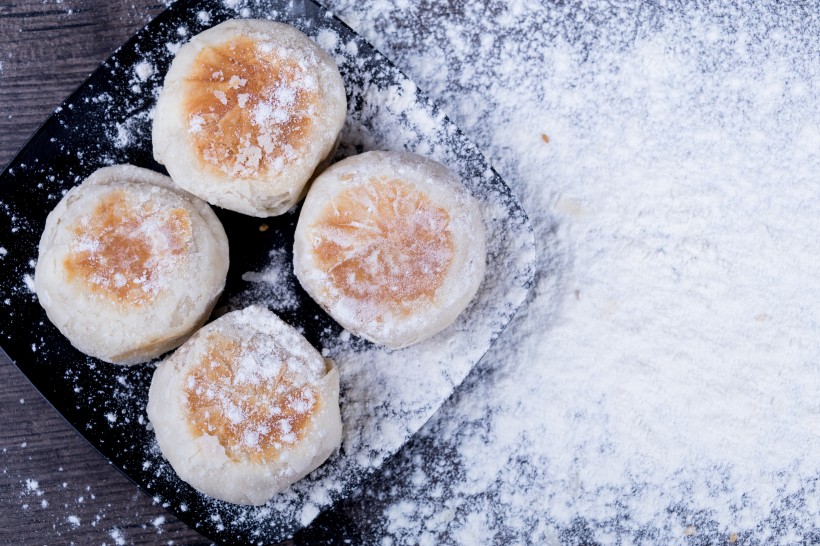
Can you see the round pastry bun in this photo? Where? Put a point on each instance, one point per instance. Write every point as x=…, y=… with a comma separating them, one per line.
x=129, y=265
x=246, y=407
x=391, y=245
x=248, y=111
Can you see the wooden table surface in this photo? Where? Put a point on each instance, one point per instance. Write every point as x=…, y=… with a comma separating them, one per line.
x=54, y=487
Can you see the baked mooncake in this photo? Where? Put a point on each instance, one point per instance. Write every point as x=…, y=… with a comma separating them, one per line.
x=391, y=245
x=248, y=111
x=245, y=407
x=130, y=265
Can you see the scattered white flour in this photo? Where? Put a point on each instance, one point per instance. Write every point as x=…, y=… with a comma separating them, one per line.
x=662, y=382
x=117, y=536
x=274, y=285
x=124, y=134
x=28, y=281
x=144, y=70
x=123, y=137
x=327, y=39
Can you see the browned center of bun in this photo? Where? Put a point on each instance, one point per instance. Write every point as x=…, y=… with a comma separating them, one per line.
x=249, y=107
x=247, y=399
x=120, y=249
x=386, y=243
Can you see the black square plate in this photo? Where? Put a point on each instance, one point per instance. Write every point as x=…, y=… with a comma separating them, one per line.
x=386, y=396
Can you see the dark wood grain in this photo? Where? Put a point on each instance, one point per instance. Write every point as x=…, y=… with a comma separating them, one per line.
x=47, y=49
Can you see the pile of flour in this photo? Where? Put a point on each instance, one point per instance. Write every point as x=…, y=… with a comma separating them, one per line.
x=662, y=381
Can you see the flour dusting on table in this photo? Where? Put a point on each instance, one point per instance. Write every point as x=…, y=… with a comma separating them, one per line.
x=662, y=382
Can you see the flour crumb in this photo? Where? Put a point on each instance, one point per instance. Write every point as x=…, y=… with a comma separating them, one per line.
x=309, y=513
x=327, y=39
x=28, y=281
x=117, y=536
x=144, y=70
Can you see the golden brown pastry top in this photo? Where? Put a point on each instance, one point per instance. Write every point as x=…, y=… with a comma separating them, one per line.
x=250, y=106
x=246, y=397
x=121, y=248
x=384, y=242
